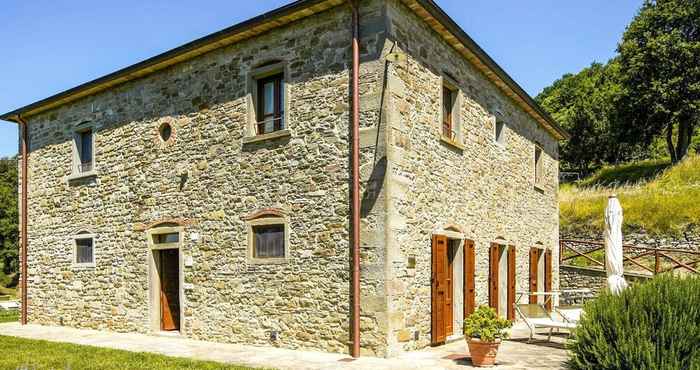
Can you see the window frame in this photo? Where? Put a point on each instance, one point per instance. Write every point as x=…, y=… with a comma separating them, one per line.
x=265, y=220
x=77, y=167
x=455, y=118
x=277, y=115
x=162, y=230
x=256, y=76
x=447, y=112
x=499, y=139
x=82, y=235
x=538, y=173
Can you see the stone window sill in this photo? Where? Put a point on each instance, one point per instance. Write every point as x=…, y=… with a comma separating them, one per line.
x=83, y=266
x=272, y=135
x=267, y=261
x=82, y=175
x=451, y=142
x=539, y=187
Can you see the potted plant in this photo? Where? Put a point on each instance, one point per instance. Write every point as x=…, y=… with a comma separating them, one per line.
x=483, y=331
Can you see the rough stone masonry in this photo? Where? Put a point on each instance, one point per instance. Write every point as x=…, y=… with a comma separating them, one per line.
x=210, y=175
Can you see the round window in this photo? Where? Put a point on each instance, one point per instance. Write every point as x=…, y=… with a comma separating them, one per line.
x=165, y=131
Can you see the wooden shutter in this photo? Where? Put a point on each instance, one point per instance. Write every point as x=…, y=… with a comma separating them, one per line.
x=548, y=276
x=439, y=289
x=469, y=277
x=446, y=112
x=511, y=283
x=493, y=276
x=534, y=264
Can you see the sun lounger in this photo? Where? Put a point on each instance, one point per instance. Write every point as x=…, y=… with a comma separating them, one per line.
x=536, y=316
x=571, y=314
x=9, y=305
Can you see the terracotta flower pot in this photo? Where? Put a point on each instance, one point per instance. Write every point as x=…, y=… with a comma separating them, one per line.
x=483, y=353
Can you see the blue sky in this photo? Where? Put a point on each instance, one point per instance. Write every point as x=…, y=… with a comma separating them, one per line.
x=48, y=46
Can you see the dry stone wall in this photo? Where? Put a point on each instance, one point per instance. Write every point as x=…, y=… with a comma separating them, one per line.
x=575, y=278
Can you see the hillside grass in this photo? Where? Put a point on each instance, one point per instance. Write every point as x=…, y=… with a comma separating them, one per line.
x=665, y=204
x=21, y=353
x=626, y=174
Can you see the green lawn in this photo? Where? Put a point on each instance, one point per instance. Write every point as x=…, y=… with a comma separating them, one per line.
x=9, y=316
x=32, y=354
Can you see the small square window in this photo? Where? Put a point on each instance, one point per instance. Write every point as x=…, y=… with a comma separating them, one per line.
x=270, y=104
x=500, y=134
x=268, y=241
x=539, y=167
x=84, y=250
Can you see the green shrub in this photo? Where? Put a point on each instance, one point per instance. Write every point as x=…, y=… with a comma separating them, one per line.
x=485, y=324
x=655, y=325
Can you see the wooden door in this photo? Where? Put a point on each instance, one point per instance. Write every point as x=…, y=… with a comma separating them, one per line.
x=510, y=311
x=449, y=296
x=169, y=289
x=469, y=276
x=548, y=276
x=534, y=273
x=494, y=257
x=439, y=289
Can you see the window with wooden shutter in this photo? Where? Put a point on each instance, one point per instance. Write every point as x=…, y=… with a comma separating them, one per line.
x=268, y=236
x=447, y=108
x=548, y=275
x=494, y=259
x=439, y=289
x=268, y=241
x=469, y=278
x=511, y=283
x=534, y=273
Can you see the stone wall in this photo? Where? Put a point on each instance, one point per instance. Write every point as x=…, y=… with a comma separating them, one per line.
x=481, y=188
x=572, y=277
x=689, y=240
x=207, y=179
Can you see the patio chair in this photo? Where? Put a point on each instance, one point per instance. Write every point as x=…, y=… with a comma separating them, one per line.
x=536, y=316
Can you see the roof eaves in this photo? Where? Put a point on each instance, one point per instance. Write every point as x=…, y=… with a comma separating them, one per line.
x=468, y=42
x=140, y=69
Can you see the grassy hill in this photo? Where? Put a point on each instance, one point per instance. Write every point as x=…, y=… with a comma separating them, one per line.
x=655, y=197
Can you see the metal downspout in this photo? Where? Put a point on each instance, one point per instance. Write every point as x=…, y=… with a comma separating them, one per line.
x=355, y=179
x=24, y=150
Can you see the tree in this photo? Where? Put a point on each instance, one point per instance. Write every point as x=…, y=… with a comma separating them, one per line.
x=9, y=214
x=586, y=105
x=660, y=73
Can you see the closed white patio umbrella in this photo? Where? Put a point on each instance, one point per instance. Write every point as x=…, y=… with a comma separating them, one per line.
x=613, y=245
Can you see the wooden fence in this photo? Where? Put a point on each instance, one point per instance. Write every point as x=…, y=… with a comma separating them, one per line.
x=643, y=259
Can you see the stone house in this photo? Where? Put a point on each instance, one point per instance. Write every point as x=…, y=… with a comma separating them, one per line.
x=206, y=191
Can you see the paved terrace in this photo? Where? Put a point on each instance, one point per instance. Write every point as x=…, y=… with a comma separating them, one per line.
x=513, y=354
